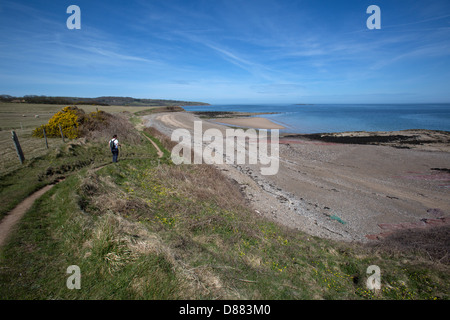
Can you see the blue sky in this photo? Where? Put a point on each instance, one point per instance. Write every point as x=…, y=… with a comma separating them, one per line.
x=246, y=51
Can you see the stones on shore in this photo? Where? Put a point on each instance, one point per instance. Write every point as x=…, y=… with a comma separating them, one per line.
x=273, y=202
x=439, y=219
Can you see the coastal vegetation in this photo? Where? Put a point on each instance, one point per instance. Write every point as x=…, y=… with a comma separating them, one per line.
x=100, y=101
x=145, y=228
x=69, y=120
x=226, y=114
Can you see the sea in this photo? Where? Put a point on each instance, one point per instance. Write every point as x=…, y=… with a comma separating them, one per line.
x=326, y=118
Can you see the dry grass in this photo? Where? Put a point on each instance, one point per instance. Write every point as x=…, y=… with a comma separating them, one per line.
x=109, y=125
x=159, y=109
x=32, y=148
x=201, y=182
x=433, y=243
x=124, y=240
x=165, y=140
x=15, y=113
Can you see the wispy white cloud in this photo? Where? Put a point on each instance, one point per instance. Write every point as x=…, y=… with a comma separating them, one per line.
x=279, y=88
x=251, y=48
x=252, y=67
x=417, y=22
x=107, y=56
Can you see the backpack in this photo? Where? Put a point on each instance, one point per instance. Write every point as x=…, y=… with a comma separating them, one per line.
x=112, y=145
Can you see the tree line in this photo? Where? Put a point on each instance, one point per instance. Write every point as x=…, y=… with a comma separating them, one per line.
x=100, y=101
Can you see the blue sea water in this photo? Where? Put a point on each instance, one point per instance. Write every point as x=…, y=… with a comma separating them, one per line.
x=323, y=118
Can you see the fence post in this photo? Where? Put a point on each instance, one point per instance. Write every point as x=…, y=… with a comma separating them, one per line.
x=45, y=137
x=18, y=148
x=60, y=130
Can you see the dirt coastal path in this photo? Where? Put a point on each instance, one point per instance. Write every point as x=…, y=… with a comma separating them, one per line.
x=158, y=150
x=13, y=217
x=10, y=220
x=340, y=191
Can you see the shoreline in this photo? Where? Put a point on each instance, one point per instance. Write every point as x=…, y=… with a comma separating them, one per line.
x=353, y=188
x=420, y=139
x=423, y=139
x=250, y=122
x=406, y=138
x=239, y=119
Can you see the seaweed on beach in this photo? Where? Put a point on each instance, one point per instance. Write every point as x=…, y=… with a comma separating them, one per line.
x=441, y=169
x=398, y=141
x=374, y=139
x=214, y=114
x=227, y=114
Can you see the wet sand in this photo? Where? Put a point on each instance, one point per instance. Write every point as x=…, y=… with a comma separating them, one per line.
x=354, y=186
x=250, y=122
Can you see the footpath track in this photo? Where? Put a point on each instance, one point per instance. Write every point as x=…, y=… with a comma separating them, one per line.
x=13, y=217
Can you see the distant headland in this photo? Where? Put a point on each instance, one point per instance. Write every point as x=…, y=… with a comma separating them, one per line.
x=101, y=101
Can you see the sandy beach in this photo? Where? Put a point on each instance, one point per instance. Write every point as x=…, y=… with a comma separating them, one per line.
x=355, y=186
x=250, y=122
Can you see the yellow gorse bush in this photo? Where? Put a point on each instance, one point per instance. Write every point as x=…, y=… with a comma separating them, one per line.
x=67, y=118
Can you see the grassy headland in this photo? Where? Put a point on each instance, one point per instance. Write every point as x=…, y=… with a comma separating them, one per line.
x=145, y=228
